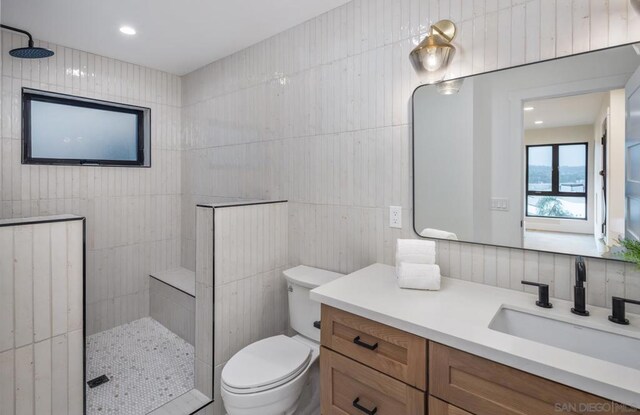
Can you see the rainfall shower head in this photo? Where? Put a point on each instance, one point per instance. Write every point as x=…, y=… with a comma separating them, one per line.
x=30, y=52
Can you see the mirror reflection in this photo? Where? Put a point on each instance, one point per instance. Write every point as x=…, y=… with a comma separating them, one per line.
x=538, y=157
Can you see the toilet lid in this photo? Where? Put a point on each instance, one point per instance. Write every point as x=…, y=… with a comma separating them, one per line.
x=266, y=362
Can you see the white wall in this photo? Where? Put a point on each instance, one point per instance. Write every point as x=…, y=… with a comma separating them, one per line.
x=614, y=108
x=319, y=115
x=132, y=213
x=41, y=317
x=561, y=135
x=616, y=162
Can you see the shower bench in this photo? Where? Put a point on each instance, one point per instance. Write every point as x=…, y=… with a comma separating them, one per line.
x=172, y=301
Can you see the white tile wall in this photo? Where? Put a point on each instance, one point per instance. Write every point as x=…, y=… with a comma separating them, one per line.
x=132, y=213
x=244, y=276
x=172, y=308
x=41, y=347
x=319, y=115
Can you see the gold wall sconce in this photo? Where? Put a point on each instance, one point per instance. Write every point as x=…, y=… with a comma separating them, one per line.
x=433, y=54
x=449, y=87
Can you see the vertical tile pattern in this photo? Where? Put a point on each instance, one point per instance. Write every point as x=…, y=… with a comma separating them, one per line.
x=320, y=115
x=7, y=382
x=173, y=309
x=41, y=353
x=241, y=252
x=132, y=214
x=204, y=329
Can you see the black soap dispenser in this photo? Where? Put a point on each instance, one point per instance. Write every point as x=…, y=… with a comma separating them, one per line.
x=579, y=292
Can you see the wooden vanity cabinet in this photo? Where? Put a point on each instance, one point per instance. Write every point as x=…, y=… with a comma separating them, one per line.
x=352, y=388
x=368, y=368
x=394, y=352
x=484, y=387
x=438, y=407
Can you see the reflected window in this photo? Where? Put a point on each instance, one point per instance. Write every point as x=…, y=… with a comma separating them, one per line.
x=557, y=181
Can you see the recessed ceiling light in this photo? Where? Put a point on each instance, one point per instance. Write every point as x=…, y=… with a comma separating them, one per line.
x=538, y=122
x=128, y=30
x=528, y=108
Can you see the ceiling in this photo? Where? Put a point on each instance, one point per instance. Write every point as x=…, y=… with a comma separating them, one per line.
x=176, y=36
x=565, y=111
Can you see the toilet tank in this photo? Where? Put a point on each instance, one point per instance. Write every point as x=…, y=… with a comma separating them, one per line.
x=303, y=311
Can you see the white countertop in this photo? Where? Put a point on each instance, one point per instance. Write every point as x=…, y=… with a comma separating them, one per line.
x=459, y=316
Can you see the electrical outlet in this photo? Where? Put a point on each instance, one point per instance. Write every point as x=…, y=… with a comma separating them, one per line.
x=395, y=217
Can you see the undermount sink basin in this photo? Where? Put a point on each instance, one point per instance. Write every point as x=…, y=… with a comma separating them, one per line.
x=600, y=344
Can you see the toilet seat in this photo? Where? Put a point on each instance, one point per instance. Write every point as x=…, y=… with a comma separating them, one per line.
x=265, y=364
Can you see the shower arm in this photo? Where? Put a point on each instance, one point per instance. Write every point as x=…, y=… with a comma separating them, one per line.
x=24, y=32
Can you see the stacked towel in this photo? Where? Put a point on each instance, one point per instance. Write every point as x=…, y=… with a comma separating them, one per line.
x=415, y=251
x=416, y=265
x=419, y=276
x=438, y=234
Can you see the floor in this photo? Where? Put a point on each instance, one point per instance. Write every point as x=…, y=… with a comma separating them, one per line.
x=146, y=363
x=184, y=404
x=573, y=243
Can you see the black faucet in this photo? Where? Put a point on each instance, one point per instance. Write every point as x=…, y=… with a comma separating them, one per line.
x=543, y=293
x=617, y=309
x=579, y=297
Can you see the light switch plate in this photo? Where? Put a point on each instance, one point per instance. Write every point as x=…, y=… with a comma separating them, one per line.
x=499, y=203
x=395, y=216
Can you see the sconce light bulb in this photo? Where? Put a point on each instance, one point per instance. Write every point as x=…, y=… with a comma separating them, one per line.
x=433, y=60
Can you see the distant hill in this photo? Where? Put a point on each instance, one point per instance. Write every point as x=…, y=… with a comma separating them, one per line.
x=568, y=174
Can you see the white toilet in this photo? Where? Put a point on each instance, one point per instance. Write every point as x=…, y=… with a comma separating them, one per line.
x=268, y=377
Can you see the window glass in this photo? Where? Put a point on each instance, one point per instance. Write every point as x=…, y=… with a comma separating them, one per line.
x=540, y=168
x=557, y=181
x=557, y=207
x=572, y=168
x=61, y=131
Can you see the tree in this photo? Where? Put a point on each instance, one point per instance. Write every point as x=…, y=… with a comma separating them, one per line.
x=551, y=206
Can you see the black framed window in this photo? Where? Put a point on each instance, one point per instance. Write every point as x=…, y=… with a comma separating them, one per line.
x=557, y=180
x=68, y=130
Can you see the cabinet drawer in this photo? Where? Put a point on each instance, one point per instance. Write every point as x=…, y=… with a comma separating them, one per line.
x=438, y=407
x=348, y=387
x=398, y=354
x=484, y=387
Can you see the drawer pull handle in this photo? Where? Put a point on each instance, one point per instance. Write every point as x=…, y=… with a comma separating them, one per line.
x=365, y=345
x=363, y=409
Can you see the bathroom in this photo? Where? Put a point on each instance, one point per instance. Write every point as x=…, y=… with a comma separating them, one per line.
x=275, y=172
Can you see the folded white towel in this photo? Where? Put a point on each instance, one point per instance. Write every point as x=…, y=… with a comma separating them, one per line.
x=438, y=234
x=428, y=258
x=418, y=276
x=415, y=246
x=416, y=251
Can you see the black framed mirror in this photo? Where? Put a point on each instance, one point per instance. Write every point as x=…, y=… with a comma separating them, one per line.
x=543, y=156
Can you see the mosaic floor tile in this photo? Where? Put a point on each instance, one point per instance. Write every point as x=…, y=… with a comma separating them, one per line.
x=147, y=366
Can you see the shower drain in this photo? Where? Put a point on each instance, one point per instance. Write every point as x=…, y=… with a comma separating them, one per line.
x=98, y=381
